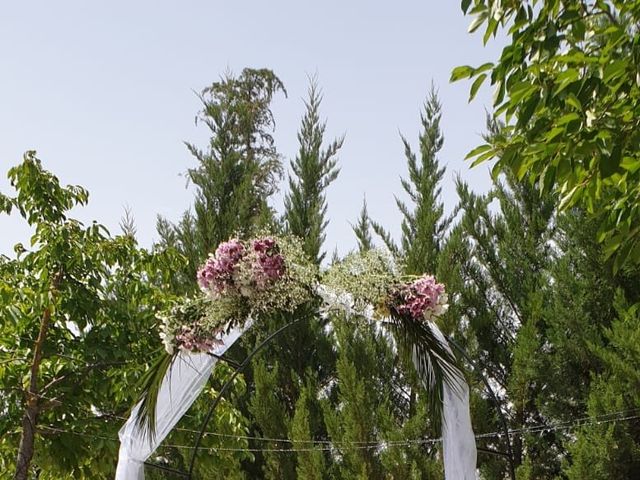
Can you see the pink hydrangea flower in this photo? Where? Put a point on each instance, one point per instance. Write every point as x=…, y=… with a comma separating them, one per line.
x=268, y=265
x=217, y=273
x=423, y=298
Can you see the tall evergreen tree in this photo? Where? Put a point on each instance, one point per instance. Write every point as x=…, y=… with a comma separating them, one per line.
x=505, y=280
x=362, y=229
x=313, y=170
x=594, y=357
x=424, y=228
x=311, y=463
x=235, y=174
x=423, y=222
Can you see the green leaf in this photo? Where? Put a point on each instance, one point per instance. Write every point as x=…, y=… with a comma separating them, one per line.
x=573, y=101
x=461, y=72
x=478, y=150
x=483, y=158
x=150, y=384
x=477, y=21
x=554, y=133
x=520, y=92
x=491, y=30
x=569, y=117
x=622, y=254
x=565, y=79
x=476, y=85
x=614, y=70
x=465, y=5
x=483, y=68
x=630, y=164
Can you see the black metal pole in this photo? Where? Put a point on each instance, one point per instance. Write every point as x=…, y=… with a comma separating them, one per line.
x=228, y=383
x=503, y=420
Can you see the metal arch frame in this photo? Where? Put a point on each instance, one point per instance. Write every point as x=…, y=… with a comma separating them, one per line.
x=239, y=368
x=228, y=383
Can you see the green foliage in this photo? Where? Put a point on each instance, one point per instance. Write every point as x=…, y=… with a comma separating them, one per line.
x=77, y=320
x=315, y=168
x=503, y=260
x=362, y=229
x=415, y=412
x=567, y=86
x=311, y=464
x=287, y=376
x=360, y=397
x=223, y=447
x=269, y=411
x=612, y=449
x=538, y=297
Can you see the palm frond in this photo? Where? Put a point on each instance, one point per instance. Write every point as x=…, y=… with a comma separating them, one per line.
x=150, y=384
x=434, y=362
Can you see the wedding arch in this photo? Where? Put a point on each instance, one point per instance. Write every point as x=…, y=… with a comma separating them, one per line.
x=243, y=283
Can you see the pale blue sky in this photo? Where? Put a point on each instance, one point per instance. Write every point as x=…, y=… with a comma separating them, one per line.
x=104, y=92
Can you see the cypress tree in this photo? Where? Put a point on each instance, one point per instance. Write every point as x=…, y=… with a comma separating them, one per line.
x=314, y=169
x=306, y=346
x=234, y=175
x=362, y=229
x=504, y=302
x=401, y=410
x=311, y=463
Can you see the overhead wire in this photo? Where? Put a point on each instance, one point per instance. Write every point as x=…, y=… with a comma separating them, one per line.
x=328, y=445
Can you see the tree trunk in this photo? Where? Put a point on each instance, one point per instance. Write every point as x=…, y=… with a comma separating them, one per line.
x=30, y=418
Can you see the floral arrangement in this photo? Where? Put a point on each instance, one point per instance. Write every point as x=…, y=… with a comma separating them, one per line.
x=423, y=298
x=369, y=284
x=241, y=280
x=246, y=279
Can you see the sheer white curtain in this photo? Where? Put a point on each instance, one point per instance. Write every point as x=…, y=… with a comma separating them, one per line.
x=182, y=384
x=458, y=440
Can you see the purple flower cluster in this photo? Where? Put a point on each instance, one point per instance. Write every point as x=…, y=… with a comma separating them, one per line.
x=268, y=264
x=423, y=298
x=189, y=340
x=217, y=274
x=239, y=268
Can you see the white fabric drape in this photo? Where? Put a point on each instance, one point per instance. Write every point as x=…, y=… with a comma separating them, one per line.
x=458, y=440
x=182, y=384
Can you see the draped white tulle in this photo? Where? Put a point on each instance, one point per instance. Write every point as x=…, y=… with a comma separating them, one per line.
x=189, y=373
x=458, y=440
x=181, y=386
